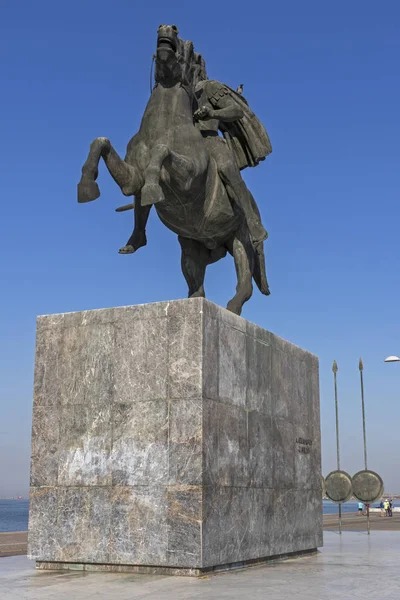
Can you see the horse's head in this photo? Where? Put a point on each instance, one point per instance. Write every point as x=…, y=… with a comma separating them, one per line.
x=174, y=58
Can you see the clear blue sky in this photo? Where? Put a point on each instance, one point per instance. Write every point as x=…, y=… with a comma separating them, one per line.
x=325, y=80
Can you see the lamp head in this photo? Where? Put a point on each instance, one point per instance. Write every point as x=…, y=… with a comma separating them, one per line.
x=392, y=359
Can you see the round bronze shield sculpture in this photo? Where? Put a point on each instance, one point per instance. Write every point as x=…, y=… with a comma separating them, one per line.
x=323, y=486
x=367, y=486
x=338, y=486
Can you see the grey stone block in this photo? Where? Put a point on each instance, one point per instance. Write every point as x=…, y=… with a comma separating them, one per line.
x=47, y=383
x=211, y=535
x=285, y=517
x=86, y=372
x=185, y=352
x=45, y=446
x=284, y=450
x=139, y=532
x=83, y=524
x=43, y=536
x=139, y=453
x=140, y=359
x=235, y=504
x=261, y=447
x=258, y=375
x=233, y=446
x=84, y=445
x=210, y=442
x=185, y=525
x=173, y=435
x=232, y=364
x=185, y=442
x=210, y=357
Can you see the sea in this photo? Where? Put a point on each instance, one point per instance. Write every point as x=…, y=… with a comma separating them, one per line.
x=14, y=513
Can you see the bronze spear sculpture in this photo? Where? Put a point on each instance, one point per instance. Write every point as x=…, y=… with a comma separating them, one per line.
x=367, y=485
x=335, y=370
x=338, y=483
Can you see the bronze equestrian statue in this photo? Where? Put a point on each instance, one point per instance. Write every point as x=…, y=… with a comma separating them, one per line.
x=178, y=162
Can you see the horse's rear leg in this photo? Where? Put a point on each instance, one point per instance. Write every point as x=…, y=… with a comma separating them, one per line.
x=123, y=174
x=195, y=258
x=241, y=249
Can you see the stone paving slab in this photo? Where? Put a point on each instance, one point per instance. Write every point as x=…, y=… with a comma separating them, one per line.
x=353, y=565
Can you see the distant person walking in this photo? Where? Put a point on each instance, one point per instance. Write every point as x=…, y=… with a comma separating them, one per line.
x=360, y=509
x=386, y=507
x=391, y=507
x=382, y=507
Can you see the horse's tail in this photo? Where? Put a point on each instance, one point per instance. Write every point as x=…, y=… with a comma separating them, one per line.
x=259, y=271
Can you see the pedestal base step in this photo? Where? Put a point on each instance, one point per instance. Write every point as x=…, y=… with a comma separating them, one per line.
x=176, y=571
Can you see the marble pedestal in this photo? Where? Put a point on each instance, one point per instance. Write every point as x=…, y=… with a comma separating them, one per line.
x=173, y=435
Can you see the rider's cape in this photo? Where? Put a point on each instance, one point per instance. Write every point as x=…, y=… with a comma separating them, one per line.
x=247, y=137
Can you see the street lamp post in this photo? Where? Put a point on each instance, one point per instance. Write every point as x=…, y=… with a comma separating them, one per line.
x=361, y=369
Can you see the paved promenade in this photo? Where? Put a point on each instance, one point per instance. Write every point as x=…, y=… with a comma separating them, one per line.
x=15, y=543
x=353, y=565
x=352, y=522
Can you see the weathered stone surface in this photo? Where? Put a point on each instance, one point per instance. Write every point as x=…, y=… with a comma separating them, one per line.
x=184, y=525
x=140, y=367
x=185, y=442
x=139, y=453
x=93, y=377
x=139, y=533
x=258, y=375
x=175, y=435
x=232, y=364
x=45, y=446
x=233, y=446
x=42, y=536
x=83, y=524
x=85, y=445
x=185, y=349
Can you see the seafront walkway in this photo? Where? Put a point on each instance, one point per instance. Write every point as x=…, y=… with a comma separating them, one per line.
x=15, y=542
x=353, y=522
x=351, y=566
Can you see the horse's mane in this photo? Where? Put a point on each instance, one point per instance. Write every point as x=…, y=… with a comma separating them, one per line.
x=188, y=62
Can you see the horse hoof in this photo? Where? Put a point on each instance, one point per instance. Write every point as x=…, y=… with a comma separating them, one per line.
x=126, y=250
x=87, y=191
x=151, y=194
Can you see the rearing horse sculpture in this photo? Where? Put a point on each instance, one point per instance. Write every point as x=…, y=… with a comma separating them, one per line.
x=167, y=164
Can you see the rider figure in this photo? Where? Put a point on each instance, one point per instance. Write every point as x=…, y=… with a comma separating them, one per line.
x=221, y=109
x=245, y=143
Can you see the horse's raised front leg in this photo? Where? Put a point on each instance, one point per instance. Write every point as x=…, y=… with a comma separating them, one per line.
x=180, y=167
x=124, y=175
x=195, y=258
x=241, y=249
